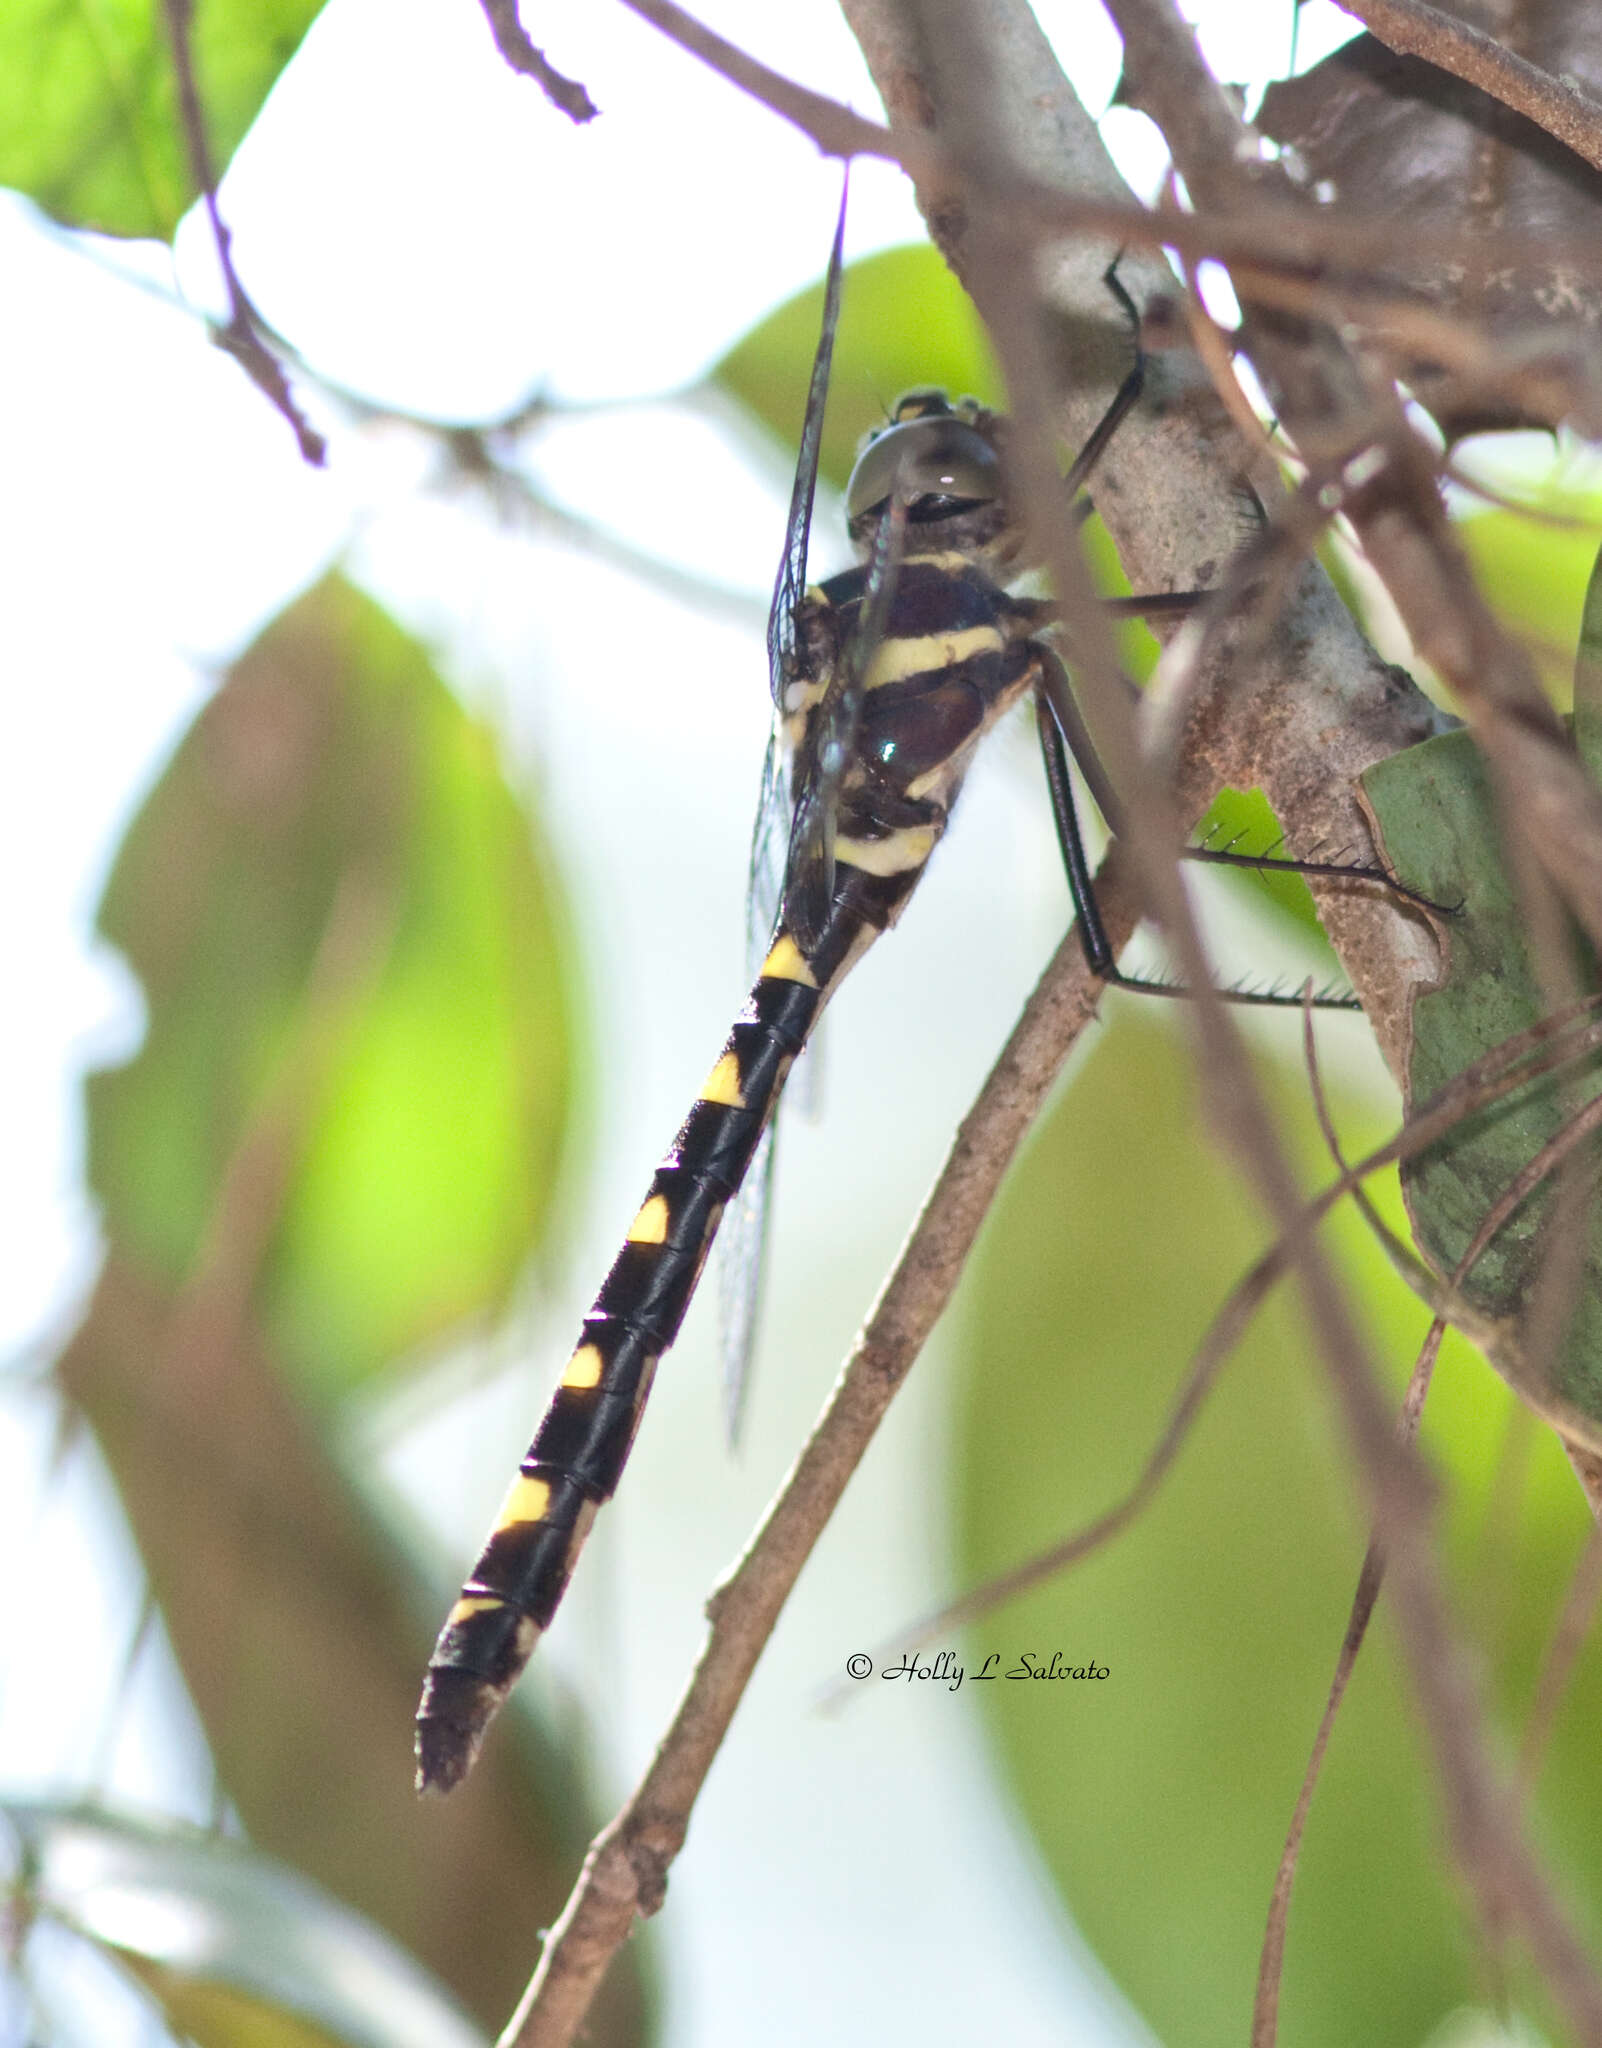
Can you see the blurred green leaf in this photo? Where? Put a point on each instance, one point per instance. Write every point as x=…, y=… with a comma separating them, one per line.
x=301, y=1628
x=89, y=124
x=1160, y=1797
x=237, y=1951
x=904, y=321
x=1437, y=817
x=1533, y=575
x=358, y=1069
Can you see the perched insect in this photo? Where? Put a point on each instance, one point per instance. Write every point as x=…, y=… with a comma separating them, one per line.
x=885, y=680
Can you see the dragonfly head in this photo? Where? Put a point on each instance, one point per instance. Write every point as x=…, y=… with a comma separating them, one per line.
x=944, y=463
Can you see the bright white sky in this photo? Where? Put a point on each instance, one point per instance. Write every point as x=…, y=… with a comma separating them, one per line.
x=428, y=232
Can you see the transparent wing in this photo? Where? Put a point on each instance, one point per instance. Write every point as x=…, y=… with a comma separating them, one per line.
x=809, y=870
x=808, y=881
x=790, y=584
x=742, y=1267
x=742, y=1240
x=770, y=845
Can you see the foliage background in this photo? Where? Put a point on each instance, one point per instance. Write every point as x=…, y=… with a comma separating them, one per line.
x=437, y=240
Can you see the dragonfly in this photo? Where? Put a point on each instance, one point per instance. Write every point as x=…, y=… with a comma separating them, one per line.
x=885, y=680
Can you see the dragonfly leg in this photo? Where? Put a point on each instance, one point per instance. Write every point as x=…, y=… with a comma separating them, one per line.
x=1081, y=887
x=1124, y=399
x=1054, y=752
x=1057, y=689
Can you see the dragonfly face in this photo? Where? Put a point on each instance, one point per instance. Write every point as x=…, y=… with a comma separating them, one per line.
x=945, y=464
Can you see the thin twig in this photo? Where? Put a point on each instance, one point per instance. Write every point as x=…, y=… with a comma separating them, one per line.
x=1413, y=29
x=834, y=128
x=511, y=39
x=240, y=336
x=1291, y=239
x=1370, y=1579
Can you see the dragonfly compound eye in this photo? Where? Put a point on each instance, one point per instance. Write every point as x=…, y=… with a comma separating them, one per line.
x=937, y=466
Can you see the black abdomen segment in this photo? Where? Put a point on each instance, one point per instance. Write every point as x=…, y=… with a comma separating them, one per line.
x=580, y=1448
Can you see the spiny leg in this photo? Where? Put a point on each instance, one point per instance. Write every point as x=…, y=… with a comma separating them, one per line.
x=1081, y=887
x=1058, y=689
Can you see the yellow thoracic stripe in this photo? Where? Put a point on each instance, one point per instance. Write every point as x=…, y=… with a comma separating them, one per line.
x=892, y=855
x=951, y=561
x=723, y=1084
x=916, y=654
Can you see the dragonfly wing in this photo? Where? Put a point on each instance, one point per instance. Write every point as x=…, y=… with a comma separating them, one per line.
x=770, y=847
x=742, y=1266
x=790, y=585
x=809, y=866
x=743, y=1235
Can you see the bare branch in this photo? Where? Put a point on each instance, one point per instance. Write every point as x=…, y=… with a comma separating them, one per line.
x=511, y=39
x=241, y=337
x=1322, y=393
x=1413, y=29
x=834, y=128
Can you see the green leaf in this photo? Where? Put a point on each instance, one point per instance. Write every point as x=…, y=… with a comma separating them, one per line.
x=237, y=1951
x=89, y=125
x=1533, y=574
x=1159, y=1797
x=1438, y=819
x=356, y=1080
x=904, y=321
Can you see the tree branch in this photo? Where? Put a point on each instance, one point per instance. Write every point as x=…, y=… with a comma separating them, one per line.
x=511, y=39
x=835, y=129
x=1414, y=29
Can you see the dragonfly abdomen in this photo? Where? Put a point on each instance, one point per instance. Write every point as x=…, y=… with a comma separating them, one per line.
x=582, y=1444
